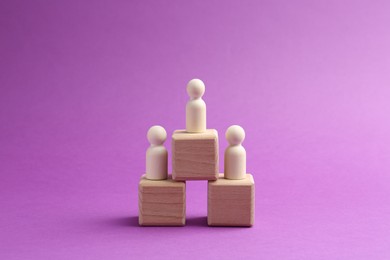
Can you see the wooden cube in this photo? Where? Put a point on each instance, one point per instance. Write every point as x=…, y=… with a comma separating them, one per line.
x=161, y=202
x=231, y=202
x=195, y=155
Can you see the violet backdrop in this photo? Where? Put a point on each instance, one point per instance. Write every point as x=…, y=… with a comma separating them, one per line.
x=81, y=82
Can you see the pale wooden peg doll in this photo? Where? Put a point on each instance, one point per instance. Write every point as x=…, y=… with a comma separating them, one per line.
x=235, y=154
x=156, y=154
x=196, y=107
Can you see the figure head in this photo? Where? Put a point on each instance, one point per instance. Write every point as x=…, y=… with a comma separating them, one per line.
x=156, y=135
x=235, y=135
x=195, y=88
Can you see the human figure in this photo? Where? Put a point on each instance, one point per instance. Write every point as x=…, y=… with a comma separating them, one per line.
x=157, y=154
x=196, y=107
x=235, y=154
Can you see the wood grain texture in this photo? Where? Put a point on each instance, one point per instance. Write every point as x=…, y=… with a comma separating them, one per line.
x=161, y=202
x=231, y=202
x=195, y=155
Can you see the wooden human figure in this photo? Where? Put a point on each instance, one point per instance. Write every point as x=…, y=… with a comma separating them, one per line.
x=156, y=154
x=235, y=154
x=196, y=107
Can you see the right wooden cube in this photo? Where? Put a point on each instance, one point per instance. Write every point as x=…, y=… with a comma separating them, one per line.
x=231, y=202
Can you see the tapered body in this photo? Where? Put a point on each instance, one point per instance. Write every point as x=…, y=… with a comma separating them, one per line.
x=235, y=162
x=196, y=116
x=156, y=162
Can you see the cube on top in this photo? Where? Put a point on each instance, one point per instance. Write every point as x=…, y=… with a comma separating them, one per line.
x=195, y=155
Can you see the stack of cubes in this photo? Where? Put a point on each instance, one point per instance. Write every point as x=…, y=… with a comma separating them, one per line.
x=195, y=156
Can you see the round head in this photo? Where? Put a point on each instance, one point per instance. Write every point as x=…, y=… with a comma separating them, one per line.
x=195, y=88
x=156, y=135
x=235, y=135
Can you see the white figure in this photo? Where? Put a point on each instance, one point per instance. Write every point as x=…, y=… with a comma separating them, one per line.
x=235, y=154
x=157, y=154
x=196, y=107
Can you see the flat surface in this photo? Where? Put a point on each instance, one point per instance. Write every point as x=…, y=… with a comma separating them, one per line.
x=81, y=82
x=169, y=183
x=248, y=180
x=184, y=135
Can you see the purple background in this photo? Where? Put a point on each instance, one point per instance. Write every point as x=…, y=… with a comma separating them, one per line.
x=81, y=82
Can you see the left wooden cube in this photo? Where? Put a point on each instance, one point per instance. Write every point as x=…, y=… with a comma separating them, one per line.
x=161, y=202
